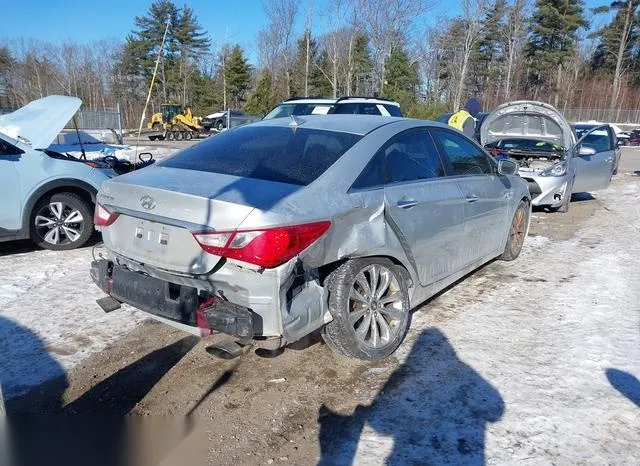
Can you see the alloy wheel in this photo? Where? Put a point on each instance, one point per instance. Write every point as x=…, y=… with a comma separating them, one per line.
x=59, y=224
x=375, y=306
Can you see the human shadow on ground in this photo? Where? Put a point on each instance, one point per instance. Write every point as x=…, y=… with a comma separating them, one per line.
x=434, y=409
x=626, y=384
x=94, y=428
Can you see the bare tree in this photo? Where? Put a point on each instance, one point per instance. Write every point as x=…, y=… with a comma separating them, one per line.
x=473, y=12
x=276, y=40
x=388, y=23
x=515, y=40
x=628, y=10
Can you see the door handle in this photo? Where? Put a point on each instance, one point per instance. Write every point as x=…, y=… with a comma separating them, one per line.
x=471, y=198
x=406, y=203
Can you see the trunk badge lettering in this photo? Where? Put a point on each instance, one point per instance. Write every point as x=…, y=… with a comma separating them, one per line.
x=147, y=202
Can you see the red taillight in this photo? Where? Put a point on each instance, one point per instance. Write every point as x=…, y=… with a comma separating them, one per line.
x=102, y=217
x=266, y=248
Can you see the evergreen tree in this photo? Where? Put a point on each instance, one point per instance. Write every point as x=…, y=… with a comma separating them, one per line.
x=362, y=64
x=262, y=99
x=185, y=42
x=320, y=80
x=489, y=56
x=299, y=69
x=623, y=27
x=237, y=75
x=553, y=35
x=401, y=78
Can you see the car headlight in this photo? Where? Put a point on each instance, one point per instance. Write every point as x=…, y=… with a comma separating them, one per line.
x=559, y=169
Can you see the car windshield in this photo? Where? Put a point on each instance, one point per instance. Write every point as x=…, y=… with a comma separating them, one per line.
x=286, y=110
x=598, y=140
x=525, y=145
x=281, y=154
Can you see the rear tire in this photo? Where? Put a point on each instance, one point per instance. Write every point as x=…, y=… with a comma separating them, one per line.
x=517, y=232
x=367, y=325
x=219, y=126
x=61, y=221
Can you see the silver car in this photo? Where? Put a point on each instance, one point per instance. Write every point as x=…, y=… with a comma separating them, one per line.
x=550, y=159
x=275, y=229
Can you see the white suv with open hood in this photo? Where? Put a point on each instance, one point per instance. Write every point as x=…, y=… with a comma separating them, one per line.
x=47, y=196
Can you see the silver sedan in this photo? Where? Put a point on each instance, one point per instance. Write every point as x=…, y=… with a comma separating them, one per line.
x=276, y=229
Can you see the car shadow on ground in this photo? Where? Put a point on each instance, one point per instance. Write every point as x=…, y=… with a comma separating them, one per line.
x=11, y=248
x=434, y=409
x=626, y=384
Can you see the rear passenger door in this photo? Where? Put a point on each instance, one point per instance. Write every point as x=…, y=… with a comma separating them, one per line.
x=423, y=208
x=486, y=194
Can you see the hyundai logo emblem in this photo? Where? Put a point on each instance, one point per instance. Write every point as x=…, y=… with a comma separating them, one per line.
x=147, y=202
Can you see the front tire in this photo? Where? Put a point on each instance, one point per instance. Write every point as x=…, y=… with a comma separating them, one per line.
x=369, y=302
x=61, y=221
x=219, y=126
x=517, y=232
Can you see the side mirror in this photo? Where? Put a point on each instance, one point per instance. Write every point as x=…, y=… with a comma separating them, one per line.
x=507, y=167
x=586, y=151
x=620, y=143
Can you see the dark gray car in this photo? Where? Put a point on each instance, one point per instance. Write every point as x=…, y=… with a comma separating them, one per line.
x=278, y=228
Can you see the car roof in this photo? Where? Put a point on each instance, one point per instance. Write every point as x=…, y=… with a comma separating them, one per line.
x=355, y=124
x=338, y=101
x=346, y=123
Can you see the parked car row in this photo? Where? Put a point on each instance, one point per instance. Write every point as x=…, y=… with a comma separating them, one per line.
x=289, y=225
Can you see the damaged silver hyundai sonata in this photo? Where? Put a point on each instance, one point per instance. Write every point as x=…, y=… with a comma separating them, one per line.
x=273, y=230
x=551, y=160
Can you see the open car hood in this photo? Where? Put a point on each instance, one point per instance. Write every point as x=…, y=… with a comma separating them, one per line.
x=40, y=121
x=527, y=119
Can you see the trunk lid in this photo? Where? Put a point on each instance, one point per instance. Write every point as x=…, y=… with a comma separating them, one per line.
x=40, y=121
x=160, y=208
x=529, y=120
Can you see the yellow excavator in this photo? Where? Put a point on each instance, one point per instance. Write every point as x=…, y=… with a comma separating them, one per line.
x=176, y=122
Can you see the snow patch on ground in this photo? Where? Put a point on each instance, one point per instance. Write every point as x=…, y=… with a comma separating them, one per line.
x=520, y=362
x=49, y=320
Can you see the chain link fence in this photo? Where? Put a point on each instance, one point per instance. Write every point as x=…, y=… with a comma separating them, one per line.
x=605, y=115
x=108, y=118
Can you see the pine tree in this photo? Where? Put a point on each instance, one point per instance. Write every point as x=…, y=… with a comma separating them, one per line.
x=553, y=35
x=619, y=41
x=489, y=57
x=262, y=99
x=299, y=70
x=362, y=64
x=237, y=75
x=185, y=42
x=320, y=80
x=401, y=78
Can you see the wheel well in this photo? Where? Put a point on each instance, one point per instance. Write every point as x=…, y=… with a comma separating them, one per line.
x=327, y=269
x=85, y=194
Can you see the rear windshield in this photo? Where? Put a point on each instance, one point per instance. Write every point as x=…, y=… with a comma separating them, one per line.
x=281, y=154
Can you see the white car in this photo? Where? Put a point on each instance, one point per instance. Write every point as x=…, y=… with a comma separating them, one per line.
x=344, y=105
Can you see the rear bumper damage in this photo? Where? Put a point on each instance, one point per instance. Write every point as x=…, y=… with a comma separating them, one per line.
x=181, y=304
